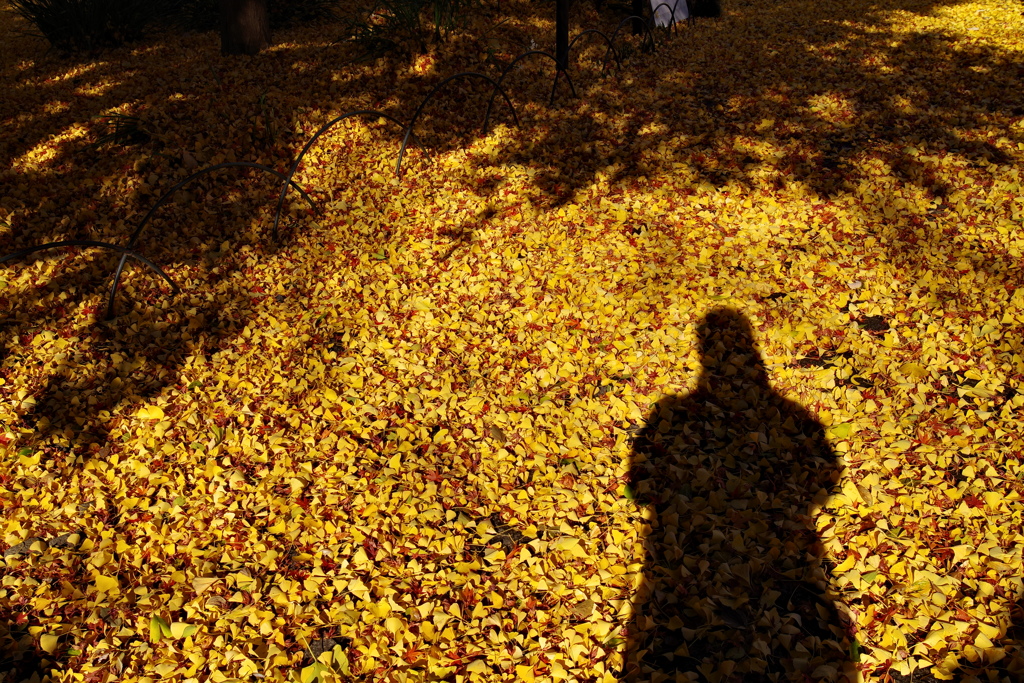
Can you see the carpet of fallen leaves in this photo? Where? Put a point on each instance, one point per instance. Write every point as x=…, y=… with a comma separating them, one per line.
x=397, y=444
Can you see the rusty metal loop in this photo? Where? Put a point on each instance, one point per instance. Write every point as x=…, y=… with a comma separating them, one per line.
x=167, y=195
x=505, y=72
x=323, y=129
x=672, y=9
x=648, y=36
x=227, y=164
x=124, y=251
x=288, y=179
x=430, y=95
x=611, y=45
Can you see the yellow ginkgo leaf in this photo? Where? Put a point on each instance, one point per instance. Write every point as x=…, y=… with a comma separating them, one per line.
x=48, y=643
x=524, y=672
x=106, y=584
x=180, y=629
x=150, y=413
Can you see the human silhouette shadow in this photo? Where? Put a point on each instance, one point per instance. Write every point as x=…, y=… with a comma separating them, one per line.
x=733, y=588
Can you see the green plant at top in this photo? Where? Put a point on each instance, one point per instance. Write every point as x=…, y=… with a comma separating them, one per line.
x=399, y=24
x=90, y=25
x=122, y=130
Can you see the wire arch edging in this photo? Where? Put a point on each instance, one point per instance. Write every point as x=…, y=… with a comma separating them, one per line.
x=227, y=164
x=124, y=251
x=434, y=91
x=323, y=129
x=288, y=180
x=649, y=40
x=166, y=196
x=508, y=69
x=611, y=46
x=648, y=35
x=672, y=19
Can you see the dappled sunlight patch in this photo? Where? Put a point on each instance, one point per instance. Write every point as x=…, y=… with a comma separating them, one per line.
x=401, y=441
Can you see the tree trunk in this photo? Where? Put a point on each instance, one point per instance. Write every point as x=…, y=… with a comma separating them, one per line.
x=562, y=34
x=638, y=11
x=244, y=27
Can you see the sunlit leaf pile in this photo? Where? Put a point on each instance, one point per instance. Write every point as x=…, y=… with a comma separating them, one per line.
x=400, y=443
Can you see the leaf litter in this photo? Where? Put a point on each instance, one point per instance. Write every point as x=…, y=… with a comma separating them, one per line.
x=403, y=445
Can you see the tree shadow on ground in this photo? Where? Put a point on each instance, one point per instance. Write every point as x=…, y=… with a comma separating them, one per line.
x=784, y=96
x=96, y=367
x=836, y=89
x=730, y=476
x=87, y=380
